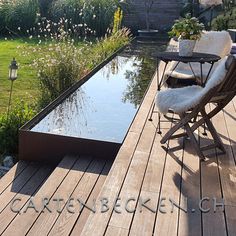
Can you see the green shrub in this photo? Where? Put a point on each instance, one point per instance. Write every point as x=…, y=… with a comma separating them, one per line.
x=94, y=15
x=9, y=126
x=225, y=21
x=18, y=16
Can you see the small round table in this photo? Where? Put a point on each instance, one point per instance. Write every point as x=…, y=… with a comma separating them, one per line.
x=201, y=58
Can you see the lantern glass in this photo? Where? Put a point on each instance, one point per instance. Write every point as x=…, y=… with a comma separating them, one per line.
x=13, y=67
x=12, y=74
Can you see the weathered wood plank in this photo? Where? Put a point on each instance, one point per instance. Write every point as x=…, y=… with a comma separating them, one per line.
x=224, y=125
x=226, y=128
x=47, y=219
x=231, y=219
x=17, y=185
x=230, y=118
x=67, y=218
x=167, y=223
x=212, y=223
x=22, y=223
x=93, y=197
x=13, y=173
x=111, y=231
x=190, y=221
x=27, y=192
x=143, y=221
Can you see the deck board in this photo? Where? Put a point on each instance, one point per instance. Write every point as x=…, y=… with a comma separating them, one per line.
x=166, y=220
x=47, y=219
x=213, y=223
x=190, y=222
x=143, y=222
x=82, y=191
x=17, y=185
x=23, y=222
x=29, y=189
x=78, y=226
x=15, y=171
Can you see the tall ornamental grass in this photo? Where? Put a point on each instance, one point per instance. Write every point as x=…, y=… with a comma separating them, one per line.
x=60, y=60
x=18, y=16
x=94, y=14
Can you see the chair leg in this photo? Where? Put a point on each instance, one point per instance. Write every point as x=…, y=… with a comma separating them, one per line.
x=171, y=132
x=215, y=136
x=194, y=142
x=159, y=123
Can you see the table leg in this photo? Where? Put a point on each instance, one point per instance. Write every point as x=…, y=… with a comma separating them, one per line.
x=162, y=77
x=209, y=72
x=192, y=70
x=201, y=73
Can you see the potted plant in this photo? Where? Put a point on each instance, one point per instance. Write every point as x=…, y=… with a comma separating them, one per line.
x=187, y=30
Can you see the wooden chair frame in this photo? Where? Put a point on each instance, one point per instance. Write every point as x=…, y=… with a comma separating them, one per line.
x=221, y=96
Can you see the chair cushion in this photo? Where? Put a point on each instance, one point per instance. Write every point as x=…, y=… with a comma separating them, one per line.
x=214, y=42
x=180, y=100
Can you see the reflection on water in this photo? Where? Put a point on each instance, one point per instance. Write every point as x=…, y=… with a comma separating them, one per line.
x=104, y=107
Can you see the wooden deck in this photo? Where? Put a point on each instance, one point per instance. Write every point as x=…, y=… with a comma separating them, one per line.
x=144, y=171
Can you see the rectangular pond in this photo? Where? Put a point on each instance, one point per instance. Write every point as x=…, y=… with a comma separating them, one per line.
x=103, y=107
x=96, y=114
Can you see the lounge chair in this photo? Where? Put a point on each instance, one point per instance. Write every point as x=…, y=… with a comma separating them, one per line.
x=190, y=101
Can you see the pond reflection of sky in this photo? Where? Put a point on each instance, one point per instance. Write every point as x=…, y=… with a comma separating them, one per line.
x=97, y=109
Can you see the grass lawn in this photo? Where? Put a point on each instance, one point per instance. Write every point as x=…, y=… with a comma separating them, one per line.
x=26, y=86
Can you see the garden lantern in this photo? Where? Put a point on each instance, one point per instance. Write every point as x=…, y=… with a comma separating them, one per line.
x=13, y=67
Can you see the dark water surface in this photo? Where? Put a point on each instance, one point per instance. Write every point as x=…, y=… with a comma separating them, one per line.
x=103, y=108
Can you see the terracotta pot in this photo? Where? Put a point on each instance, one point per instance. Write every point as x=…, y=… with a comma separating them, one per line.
x=186, y=47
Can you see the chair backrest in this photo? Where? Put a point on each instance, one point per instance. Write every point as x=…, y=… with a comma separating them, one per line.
x=228, y=85
x=214, y=42
x=226, y=89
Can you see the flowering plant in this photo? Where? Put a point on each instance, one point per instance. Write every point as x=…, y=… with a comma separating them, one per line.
x=60, y=59
x=187, y=28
